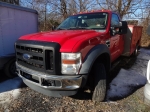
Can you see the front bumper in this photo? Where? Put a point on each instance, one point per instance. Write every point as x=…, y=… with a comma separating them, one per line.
x=147, y=93
x=56, y=85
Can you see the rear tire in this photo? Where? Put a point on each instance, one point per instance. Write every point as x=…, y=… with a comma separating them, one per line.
x=135, y=53
x=99, y=83
x=10, y=68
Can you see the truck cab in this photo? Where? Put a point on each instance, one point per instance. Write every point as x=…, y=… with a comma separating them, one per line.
x=78, y=52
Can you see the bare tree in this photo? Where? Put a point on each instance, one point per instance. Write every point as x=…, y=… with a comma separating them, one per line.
x=51, y=11
x=64, y=8
x=72, y=7
x=84, y=5
x=123, y=7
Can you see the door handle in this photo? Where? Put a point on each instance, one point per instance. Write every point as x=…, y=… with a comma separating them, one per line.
x=108, y=43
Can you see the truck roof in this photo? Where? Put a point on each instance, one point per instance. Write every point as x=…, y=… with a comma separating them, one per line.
x=17, y=7
x=95, y=11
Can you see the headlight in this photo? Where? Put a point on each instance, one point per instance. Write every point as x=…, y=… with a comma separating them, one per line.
x=148, y=71
x=71, y=63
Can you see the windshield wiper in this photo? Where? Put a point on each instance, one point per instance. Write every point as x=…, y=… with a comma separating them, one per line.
x=61, y=29
x=76, y=28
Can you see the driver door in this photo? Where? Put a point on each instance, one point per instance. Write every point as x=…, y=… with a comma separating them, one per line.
x=116, y=40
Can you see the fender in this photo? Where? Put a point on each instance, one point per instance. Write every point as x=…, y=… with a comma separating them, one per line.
x=91, y=57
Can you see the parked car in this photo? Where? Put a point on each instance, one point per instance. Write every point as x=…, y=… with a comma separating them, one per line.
x=15, y=21
x=147, y=86
x=77, y=53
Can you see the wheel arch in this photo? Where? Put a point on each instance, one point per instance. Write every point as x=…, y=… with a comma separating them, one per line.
x=98, y=53
x=104, y=58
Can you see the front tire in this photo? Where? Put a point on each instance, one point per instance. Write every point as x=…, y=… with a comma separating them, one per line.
x=99, y=83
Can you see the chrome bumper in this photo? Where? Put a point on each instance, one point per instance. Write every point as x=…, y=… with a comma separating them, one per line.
x=66, y=82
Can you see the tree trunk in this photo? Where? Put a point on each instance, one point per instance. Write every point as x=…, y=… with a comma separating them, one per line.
x=64, y=9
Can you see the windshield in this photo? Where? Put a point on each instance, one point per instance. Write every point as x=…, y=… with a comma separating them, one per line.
x=95, y=21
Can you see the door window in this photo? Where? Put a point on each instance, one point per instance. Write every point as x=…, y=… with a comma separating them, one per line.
x=114, y=20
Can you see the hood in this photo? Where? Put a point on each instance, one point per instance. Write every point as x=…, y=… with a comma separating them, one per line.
x=61, y=36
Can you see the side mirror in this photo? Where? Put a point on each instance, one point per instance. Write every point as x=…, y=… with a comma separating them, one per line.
x=53, y=28
x=123, y=27
x=148, y=30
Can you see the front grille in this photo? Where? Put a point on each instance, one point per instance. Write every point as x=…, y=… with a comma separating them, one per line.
x=50, y=60
x=29, y=49
x=42, y=56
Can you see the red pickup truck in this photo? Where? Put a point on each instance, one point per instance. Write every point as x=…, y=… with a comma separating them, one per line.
x=77, y=53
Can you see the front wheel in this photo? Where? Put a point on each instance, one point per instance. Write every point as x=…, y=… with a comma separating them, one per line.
x=99, y=83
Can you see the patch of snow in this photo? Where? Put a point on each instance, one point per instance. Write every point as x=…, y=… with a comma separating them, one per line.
x=15, y=93
x=129, y=80
x=124, y=84
x=9, y=90
x=7, y=97
x=144, y=56
x=146, y=51
x=140, y=67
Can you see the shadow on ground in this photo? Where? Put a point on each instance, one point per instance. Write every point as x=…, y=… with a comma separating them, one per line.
x=83, y=95
x=7, y=84
x=3, y=77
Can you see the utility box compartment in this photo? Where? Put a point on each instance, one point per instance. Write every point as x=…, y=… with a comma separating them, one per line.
x=132, y=39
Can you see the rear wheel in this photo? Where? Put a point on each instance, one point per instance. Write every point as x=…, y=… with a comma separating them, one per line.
x=135, y=53
x=99, y=83
x=10, y=68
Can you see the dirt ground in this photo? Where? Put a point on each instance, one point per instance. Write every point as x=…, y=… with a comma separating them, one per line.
x=31, y=101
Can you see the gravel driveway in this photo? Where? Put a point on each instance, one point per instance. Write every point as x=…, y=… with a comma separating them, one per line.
x=20, y=98
x=29, y=101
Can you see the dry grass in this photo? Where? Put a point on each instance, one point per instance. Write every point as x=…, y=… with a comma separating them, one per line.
x=145, y=40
